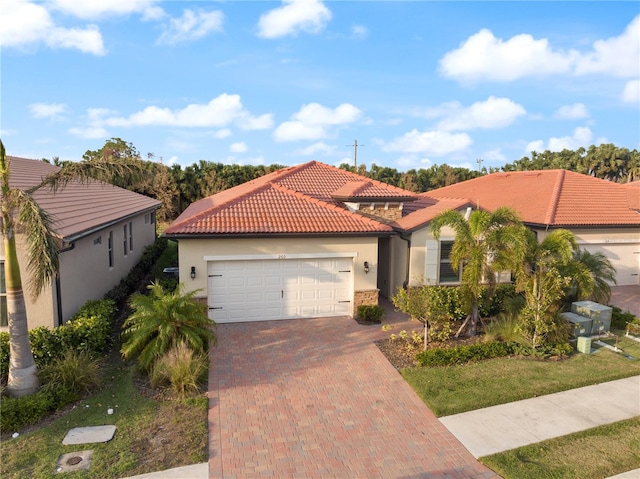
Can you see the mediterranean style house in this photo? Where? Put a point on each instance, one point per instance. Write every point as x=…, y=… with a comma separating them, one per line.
x=103, y=231
x=313, y=240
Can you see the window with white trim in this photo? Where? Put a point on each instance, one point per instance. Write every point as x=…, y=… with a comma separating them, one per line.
x=125, y=240
x=446, y=273
x=110, y=249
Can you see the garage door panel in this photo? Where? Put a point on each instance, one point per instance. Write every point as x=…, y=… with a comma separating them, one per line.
x=279, y=289
x=625, y=258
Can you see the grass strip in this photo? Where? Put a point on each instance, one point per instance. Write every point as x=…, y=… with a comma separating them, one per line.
x=600, y=452
x=151, y=435
x=455, y=389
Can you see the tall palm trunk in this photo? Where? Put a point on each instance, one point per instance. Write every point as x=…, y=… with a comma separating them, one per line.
x=23, y=378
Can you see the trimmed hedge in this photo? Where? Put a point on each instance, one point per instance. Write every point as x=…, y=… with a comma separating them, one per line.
x=465, y=354
x=88, y=330
x=19, y=412
x=371, y=313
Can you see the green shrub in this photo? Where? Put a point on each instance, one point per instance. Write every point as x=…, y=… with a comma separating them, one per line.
x=633, y=327
x=371, y=313
x=182, y=369
x=76, y=372
x=20, y=412
x=620, y=319
x=464, y=354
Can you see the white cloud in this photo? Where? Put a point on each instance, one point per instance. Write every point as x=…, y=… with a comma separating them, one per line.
x=617, y=56
x=53, y=111
x=91, y=132
x=219, y=112
x=359, y=31
x=224, y=133
x=484, y=57
x=26, y=24
x=489, y=114
x=239, y=147
x=572, y=112
x=581, y=137
x=317, y=148
x=295, y=16
x=97, y=9
x=433, y=143
x=631, y=93
x=494, y=155
x=313, y=121
x=191, y=26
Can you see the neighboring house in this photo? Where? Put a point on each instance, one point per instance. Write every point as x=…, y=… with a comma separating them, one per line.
x=604, y=216
x=313, y=240
x=103, y=231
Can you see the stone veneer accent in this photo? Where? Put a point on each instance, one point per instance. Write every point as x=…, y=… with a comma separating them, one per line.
x=367, y=297
x=380, y=211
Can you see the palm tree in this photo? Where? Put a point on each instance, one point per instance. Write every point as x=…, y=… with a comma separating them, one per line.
x=162, y=320
x=20, y=212
x=481, y=246
x=544, y=270
x=602, y=273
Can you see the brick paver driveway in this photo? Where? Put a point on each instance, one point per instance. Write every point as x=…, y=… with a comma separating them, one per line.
x=316, y=398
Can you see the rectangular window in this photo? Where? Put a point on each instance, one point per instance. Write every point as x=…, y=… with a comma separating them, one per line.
x=447, y=273
x=110, y=249
x=153, y=217
x=3, y=297
x=130, y=236
x=125, y=238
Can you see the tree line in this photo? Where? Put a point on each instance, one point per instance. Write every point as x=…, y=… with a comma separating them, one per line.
x=176, y=187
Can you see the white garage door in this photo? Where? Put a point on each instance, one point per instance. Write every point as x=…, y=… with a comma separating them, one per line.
x=625, y=258
x=259, y=290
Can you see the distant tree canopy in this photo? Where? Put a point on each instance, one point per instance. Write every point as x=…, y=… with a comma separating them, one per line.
x=176, y=187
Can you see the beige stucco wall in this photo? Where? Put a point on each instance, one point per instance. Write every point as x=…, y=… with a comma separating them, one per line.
x=620, y=245
x=84, y=270
x=39, y=311
x=398, y=266
x=417, y=261
x=192, y=252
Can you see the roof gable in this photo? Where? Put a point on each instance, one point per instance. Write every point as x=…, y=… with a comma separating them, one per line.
x=549, y=197
x=295, y=200
x=78, y=208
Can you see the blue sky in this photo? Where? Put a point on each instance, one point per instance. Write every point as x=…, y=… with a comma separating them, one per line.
x=415, y=83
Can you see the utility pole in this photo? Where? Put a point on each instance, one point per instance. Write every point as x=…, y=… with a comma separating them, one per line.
x=355, y=153
x=479, y=161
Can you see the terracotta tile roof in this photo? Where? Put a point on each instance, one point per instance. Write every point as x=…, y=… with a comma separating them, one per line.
x=295, y=200
x=420, y=212
x=78, y=209
x=633, y=194
x=549, y=197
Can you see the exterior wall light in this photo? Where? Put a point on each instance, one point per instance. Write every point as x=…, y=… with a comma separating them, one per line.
x=366, y=266
x=193, y=272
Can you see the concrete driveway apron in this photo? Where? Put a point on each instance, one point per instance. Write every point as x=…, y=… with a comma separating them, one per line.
x=316, y=398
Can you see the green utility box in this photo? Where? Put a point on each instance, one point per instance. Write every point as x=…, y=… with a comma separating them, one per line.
x=598, y=313
x=580, y=325
x=584, y=345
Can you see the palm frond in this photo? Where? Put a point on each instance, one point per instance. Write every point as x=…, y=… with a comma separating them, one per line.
x=42, y=245
x=104, y=169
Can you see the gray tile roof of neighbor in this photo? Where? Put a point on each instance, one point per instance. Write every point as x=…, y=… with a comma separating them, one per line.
x=78, y=209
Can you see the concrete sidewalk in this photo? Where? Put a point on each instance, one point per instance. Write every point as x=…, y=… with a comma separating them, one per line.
x=508, y=426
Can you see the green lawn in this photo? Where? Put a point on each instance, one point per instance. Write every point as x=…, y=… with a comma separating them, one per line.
x=455, y=389
x=151, y=435
x=593, y=454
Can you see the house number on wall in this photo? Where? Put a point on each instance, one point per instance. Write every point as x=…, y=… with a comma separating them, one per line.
x=282, y=256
